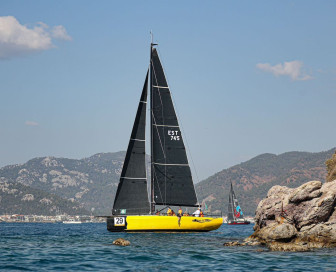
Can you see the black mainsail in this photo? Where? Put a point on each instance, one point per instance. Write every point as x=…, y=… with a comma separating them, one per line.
x=235, y=213
x=132, y=196
x=171, y=178
x=230, y=216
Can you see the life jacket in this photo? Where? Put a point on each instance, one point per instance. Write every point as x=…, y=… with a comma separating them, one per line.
x=180, y=212
x=201, y=214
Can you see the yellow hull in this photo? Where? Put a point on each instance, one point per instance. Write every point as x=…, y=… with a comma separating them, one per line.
x=155, y=223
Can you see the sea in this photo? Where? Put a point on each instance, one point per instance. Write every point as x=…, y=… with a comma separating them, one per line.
x=88, y=247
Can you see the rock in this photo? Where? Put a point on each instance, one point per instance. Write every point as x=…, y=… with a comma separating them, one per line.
x=234, y=243
x=332, y=218
x=305, y=192
x=297, y=219
x=278, y=191
x=251, y=241
x=315, y=211
x=121, y=242
x=279, y=246
x=270, y=207
x=323, y=234
x=278, y=232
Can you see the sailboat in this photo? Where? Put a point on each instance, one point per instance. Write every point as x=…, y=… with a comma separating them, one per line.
x=171, y=179
x=235, y=213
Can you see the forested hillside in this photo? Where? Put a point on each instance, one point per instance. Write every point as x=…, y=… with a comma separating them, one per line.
x=252, y=179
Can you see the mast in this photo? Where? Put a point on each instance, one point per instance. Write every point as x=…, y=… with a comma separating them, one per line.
x=152, y=202
x=152, y=206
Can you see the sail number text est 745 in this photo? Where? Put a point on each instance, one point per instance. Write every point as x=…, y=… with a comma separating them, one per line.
x=174, y=135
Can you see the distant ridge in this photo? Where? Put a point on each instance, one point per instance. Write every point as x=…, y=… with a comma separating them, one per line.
x=252, y=179
x=89, y=185
x=16, y=198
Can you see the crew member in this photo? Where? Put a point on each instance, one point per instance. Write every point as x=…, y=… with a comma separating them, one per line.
x=197, y=212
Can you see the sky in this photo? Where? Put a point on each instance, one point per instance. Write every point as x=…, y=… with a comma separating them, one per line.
x=247, y=77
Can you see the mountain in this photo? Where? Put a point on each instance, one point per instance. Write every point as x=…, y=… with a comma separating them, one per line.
x=89, y=182
x=16, y=198
x=252, y=179
x=89, y=185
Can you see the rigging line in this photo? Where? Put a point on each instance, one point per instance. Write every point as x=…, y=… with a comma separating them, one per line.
x=181, y=125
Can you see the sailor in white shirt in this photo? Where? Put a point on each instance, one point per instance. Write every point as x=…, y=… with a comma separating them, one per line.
x=197, y=212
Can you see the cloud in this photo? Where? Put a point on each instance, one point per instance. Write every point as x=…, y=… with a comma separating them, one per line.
x=19, y=40
x=59, y=32
x=31, y=123
x=293, y=69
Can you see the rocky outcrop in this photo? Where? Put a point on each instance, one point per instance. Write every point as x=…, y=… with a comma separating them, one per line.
x=305, y=192
x=331, y=168
x=233, y=243
x=121, y=242
x=297, y=219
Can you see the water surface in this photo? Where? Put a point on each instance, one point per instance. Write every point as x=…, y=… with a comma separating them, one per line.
x=88, y=247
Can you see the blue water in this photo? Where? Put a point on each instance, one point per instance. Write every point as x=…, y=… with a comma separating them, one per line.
x=88, y=247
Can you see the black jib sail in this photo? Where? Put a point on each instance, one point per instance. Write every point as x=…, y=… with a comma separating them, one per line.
x=132, y=197
x=171, y=176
